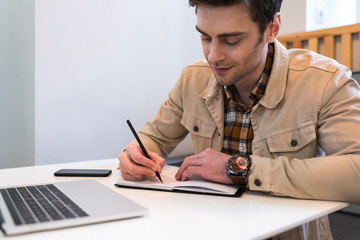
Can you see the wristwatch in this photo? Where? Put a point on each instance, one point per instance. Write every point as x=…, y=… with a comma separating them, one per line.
x=238, y=169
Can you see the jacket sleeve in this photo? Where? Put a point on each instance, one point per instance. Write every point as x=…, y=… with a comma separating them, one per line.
x=336, y=174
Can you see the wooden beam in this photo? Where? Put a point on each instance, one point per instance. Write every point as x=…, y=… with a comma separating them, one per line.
x=346, y=49
x=314, y=44
x=354, y=28
x=297, y=44
x=329, y=46
x=358, y=54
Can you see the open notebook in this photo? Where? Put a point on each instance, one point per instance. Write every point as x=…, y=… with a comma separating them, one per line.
x=195, y=184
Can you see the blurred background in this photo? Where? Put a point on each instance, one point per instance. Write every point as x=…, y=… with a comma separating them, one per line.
x=73, y=71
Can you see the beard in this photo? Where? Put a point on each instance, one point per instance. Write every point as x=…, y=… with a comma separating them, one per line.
x=242, y=69
x=237, y=72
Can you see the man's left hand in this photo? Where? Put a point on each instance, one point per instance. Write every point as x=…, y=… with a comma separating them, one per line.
x=209, y=164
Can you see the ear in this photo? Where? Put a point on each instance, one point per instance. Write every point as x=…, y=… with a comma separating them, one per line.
x=273, y=28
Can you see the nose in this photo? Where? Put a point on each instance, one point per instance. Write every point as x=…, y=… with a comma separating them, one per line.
x=215, y=53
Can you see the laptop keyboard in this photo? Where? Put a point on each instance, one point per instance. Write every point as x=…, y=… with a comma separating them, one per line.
x=40, y=203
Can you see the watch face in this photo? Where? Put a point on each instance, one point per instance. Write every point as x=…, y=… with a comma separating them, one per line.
x=237, y=165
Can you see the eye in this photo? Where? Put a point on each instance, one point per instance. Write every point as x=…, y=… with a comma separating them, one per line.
x=232, y=40
x=205, y=38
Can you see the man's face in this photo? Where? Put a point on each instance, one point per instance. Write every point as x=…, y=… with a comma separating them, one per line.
x=231, y=43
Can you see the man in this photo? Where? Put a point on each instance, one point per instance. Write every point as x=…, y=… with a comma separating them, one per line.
x=290, y=117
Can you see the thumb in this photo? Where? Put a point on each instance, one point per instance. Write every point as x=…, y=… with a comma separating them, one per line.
x=158, y=160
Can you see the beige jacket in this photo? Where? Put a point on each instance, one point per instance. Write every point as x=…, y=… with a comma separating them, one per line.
x=306, y=129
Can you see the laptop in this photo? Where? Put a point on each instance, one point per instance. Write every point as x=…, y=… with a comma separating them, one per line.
x=25, y=209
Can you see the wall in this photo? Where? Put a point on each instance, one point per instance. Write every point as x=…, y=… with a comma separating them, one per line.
x=99, y=63
x=323, y=14
x=293, y=14
x=16, y=83
x=310, y=15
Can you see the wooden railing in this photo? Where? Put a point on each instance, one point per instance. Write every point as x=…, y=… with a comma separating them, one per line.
x=340, y=43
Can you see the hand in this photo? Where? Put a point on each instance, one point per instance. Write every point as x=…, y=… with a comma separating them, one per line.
x=134, y=166
x=209, y=164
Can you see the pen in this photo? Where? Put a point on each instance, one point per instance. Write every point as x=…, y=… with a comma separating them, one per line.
x=142, y=147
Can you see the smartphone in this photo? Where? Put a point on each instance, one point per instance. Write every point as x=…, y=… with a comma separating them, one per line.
x=83, y=172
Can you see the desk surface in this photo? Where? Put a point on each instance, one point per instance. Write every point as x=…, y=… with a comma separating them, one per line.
x=177, y=215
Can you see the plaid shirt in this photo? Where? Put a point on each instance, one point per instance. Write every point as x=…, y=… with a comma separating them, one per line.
x=238, y=132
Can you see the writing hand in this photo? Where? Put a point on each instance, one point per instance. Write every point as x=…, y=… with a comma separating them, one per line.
x=134, y=166
x=208, y=164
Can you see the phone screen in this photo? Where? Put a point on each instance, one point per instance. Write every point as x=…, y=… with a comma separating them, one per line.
x=83, y=172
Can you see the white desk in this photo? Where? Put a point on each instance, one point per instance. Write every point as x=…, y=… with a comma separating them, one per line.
x=177, y=215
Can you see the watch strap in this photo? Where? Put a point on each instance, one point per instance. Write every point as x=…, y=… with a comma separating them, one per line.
x=238, y=180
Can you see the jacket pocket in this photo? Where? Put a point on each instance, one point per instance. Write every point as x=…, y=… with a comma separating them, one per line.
x=297, y=141
x=201, y=131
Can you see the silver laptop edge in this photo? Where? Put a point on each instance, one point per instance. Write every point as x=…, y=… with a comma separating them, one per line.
x=98, y=201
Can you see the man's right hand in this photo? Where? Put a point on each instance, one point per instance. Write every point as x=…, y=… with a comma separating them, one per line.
x=134, y=166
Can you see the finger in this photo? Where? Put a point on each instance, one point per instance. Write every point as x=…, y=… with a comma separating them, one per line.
x=194, y=160
x=135, y=154
x=191, y=170
x=137, y=170
x=129, y=167
x=120, y=157
x=130, y=177
x=123, y=161
x=159, y=161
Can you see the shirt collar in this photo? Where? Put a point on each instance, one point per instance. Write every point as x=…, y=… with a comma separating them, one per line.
x=260, y=87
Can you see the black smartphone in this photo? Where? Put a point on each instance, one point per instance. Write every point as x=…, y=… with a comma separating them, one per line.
x=83, y=172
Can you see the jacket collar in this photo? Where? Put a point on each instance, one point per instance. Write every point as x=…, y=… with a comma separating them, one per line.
x=275, y=89
x=213, y=96
x=211, y=89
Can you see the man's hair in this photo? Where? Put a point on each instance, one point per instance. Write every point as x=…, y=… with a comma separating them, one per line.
x=261, y=11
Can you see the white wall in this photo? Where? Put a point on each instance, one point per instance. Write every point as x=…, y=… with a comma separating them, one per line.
x=293, y=14
x=310, y=15
x=331, y=13
x=100, y=62
x=16, y=83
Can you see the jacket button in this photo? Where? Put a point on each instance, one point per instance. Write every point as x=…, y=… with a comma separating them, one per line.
x=294, y=142
x=257, y=182
x=196, y=128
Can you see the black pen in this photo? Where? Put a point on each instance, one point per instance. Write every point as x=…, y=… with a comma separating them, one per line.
x=142, y=147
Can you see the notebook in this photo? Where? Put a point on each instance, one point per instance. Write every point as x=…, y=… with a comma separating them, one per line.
x=194, y=184
x=25, y=209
